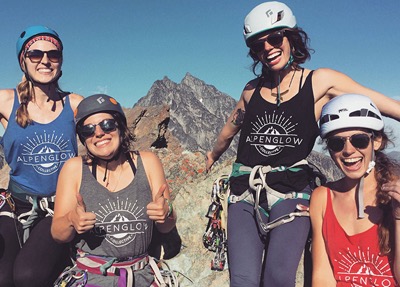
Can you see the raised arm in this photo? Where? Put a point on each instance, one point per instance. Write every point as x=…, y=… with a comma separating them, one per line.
x=322, y=274
x=328, y=83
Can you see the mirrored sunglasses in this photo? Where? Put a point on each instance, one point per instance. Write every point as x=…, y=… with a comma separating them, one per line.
x=37, y=55
x=274, y=39
x=359, y=141
x=107, y=126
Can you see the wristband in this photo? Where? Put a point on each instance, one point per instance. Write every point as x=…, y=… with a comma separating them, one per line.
x=170, y=208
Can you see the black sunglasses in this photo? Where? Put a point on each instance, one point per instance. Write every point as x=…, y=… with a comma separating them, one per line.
x=359, y=141
x=107, y=126
x=37, y=55
x=274, y=39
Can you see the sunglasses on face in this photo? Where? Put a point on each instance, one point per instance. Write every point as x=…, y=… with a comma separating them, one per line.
x=275, y=39
x=37, y=55
x=359, y=141
x=107, y=126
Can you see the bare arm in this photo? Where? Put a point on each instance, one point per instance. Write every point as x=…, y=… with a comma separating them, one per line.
x=70, y=216
x=6, y=105
x=159, y=208
x=328, y=83
x=322, y=274
x=230, y=129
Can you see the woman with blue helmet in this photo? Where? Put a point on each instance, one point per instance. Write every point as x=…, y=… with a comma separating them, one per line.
x=277, y=117
x=39, y=137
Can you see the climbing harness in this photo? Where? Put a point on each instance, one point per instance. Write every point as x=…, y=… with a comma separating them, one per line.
x=40, y=206
x=86, y=264
x=258, y=184
x=214, y=238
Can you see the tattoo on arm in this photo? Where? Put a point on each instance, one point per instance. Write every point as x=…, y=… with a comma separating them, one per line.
x=238, y=117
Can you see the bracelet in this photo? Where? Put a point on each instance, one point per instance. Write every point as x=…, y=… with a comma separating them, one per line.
x=170, y=208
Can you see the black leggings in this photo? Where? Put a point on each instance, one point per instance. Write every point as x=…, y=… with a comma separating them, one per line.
x=39, y=261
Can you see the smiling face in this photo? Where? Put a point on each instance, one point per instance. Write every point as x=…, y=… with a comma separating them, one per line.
x=354, y=159
x=102, y=144
x=275, y=54
x=45, y=71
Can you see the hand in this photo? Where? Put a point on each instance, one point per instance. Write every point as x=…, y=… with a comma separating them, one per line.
x=209, y=161
x=393, y=189
x=157, y=210
x=80, y=219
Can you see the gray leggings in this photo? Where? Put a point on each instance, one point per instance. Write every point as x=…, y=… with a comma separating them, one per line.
x=248, y=265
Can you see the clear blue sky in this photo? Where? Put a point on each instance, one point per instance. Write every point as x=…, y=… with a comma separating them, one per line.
x=121, y=47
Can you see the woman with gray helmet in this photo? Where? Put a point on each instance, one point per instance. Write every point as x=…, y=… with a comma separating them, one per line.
x=277, y=117
x=355, y=220
x=108, y=200
x=39, y=137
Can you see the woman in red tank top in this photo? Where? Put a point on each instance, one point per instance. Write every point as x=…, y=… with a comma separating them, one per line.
x=356, y=220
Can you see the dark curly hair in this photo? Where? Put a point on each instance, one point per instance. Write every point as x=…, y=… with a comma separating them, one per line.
x=299, y=43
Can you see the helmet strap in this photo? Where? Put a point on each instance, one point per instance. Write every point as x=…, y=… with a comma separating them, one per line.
x=360, y=188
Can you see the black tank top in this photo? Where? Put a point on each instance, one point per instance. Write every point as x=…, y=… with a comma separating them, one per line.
x=279, y=136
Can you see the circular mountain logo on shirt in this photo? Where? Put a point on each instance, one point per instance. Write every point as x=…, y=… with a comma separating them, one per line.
x=272, y=133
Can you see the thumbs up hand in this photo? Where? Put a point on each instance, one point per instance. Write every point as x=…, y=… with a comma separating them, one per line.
x=81, y=220
x=157, y=210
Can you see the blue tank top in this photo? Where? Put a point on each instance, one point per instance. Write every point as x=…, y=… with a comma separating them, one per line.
x=37, y=152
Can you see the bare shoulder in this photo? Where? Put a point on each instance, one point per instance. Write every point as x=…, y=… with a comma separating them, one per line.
x=149, y=158
x=319, y=192
x=75, y=99
x=6, y=102
x=73, y=164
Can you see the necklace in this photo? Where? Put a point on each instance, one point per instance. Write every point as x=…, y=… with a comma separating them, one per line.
x=117, y=181
x=279, y=95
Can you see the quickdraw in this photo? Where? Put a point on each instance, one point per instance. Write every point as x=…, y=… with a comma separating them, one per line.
x=214, y=238
x=72, y=278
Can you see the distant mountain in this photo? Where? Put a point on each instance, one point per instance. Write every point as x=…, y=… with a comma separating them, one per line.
x=197, y=111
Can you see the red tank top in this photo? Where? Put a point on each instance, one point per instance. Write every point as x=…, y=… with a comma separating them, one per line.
x=355, y=259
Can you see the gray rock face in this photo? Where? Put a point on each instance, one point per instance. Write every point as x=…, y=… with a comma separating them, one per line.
x=198, y=111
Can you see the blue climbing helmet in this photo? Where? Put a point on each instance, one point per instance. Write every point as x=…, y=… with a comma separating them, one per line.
x=34, y=31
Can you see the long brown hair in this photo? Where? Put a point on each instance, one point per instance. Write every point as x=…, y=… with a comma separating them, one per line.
x=386, y=170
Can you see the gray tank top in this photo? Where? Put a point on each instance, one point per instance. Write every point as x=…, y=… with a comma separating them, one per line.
x=123, y=228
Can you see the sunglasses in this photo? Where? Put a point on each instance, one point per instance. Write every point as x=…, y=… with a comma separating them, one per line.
x=275, y=39
x=107, y=126
x=37, y=55
x=359, y=141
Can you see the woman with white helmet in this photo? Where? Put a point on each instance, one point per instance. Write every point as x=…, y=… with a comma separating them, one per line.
x=39, y=137
x=355, y=220
x=277, y=117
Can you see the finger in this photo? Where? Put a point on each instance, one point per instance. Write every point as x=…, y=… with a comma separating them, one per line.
x=160, y=193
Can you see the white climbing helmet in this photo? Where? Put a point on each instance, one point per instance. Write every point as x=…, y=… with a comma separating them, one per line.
x=350, y=111
x=267, y=16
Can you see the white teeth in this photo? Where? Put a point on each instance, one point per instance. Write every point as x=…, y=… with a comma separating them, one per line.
x=273, y=55
x=351, y=160
x=101, y=142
